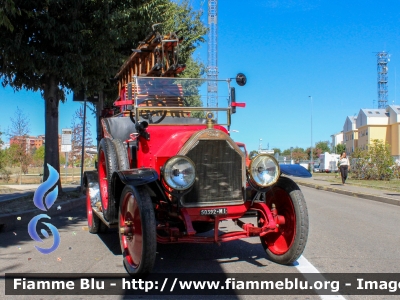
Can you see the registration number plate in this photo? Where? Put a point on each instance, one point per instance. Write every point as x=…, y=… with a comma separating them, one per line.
x=215, y=211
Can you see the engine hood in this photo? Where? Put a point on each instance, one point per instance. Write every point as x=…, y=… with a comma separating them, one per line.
x=168, y=141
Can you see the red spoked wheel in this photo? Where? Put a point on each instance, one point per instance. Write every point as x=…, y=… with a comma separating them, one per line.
x=108, y=164
x=287, y=244
x=137, y=228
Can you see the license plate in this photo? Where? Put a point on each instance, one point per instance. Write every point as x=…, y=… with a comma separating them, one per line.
x=215, y=211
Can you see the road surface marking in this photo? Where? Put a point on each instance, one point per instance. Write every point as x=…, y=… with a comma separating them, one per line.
x=305, y=267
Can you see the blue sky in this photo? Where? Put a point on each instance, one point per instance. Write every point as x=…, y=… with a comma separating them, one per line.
x=289, y=50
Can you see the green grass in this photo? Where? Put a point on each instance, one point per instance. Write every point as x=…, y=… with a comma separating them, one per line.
x=71, y=175
x=393, y=184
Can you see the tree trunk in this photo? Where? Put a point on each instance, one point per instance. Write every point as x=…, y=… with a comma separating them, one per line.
x=51, y=150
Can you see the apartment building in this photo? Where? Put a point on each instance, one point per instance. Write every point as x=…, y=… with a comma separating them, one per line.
x=31, y=142
x=371, y=124
x=394, y=123
x=337, y=139
x=350, y=134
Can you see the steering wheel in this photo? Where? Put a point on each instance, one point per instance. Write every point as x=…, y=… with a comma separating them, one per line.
x=148, y=114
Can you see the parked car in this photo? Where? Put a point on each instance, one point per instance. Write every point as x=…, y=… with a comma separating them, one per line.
x=316, y=168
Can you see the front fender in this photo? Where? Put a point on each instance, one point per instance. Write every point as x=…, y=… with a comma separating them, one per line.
x=295, y=170
x=91, y=186
x=133, y=177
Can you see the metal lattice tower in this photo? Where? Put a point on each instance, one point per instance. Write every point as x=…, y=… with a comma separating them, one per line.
x=382, y=61
x=212, y=69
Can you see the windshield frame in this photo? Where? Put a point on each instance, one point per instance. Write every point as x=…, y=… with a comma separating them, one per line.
x=139, y=97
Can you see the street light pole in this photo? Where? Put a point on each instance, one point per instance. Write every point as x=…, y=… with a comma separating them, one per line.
x=311, y=153
x=291, y=151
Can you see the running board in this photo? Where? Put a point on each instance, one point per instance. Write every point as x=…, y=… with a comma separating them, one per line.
x=101, y=216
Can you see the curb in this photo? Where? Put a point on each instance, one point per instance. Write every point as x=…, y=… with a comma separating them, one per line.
x=9, y=222
x=5, y=191
x=376, y=198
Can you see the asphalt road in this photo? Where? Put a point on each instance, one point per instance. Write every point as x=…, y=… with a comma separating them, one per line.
x=16, y=195
x=347, y=234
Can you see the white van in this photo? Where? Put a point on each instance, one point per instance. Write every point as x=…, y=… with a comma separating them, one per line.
x=328, y=162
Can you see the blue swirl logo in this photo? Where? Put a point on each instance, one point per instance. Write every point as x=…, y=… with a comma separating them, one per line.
x=43, y=199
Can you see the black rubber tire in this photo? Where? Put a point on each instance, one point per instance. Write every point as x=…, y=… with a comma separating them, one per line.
x=287, y=186
x=138, y=199
x=122, y=155
x=107, y=166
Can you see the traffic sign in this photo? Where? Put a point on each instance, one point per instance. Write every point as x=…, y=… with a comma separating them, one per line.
x=66, y=137
x=66, y=148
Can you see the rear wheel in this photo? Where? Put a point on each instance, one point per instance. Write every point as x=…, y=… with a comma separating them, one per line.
x=122, y=155
x=286, y=245
x=137, y=228
x=108, y=164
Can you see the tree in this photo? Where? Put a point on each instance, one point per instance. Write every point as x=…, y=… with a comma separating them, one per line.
x=340, y=148
x=286, y=152
x=296, y=153
x=277, y=150
x=58, y=46
x=2, y=153
x=5, y=174
x=299, y=154
x=374, y=163
x=182, y=19
x=321, y=147
x=253, y=154
x=8, y=8
x=316, y=153
x=75, y=155
x=19, y=149
x=38, y=156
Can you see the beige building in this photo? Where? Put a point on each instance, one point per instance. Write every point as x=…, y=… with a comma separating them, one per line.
x=371, y=124
x=337, y=139
x=394, y=123
x=350, y=134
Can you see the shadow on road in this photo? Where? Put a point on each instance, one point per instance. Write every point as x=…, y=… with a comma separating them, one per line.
x=232, y=257
x=198, y=258
x=19, y=235
x=15, y=195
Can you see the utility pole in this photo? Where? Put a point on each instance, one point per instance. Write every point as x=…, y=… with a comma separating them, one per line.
x=212, y=68
x=311, y=153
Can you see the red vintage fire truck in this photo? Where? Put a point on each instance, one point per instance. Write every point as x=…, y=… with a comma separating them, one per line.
x=168, y=169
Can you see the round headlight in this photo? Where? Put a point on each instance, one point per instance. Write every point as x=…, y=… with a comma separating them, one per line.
x=264, y=170
x=179, y=173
